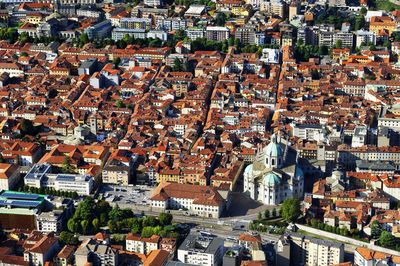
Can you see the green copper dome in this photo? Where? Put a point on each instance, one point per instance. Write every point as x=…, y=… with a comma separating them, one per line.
x=271, y=179
x=274, y=149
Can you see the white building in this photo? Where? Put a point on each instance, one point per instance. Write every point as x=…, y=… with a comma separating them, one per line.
x=270, y=56
x=160, y=34
x=13, y=69
x=363, y=256
x=9, y=176
x=204, y=201
x=50, y=221
x=364, y=36
x=359, y=136
x=200, y=250
x=152, y=2
x=40, y=176
x=308, y=131
x=195, y=32
x=273, y=176
x=308, y=250
x=142, y=245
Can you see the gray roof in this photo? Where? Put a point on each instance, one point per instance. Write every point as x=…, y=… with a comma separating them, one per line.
x=201, y=244
x=315, y=240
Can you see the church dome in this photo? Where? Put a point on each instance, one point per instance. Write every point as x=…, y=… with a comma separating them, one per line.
x=271, y=179
x=273, y=149
x=299, y=173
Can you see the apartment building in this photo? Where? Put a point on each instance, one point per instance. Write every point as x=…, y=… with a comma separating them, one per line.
x=170, y=24
x=195, y=32
x=135, y=23
x=215, y=33
x=365, y=37
x=273, y=8
x=347, y=38
x=246, y=35
x=142, y=245
x=309, y=250
x=201, y=250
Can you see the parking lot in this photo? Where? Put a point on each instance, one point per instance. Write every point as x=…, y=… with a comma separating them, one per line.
x=126, y=194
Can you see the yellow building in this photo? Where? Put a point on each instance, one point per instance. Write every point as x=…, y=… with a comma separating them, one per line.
x=34, y=18
x=341, y=54
x=382, y=23
x=168, y=175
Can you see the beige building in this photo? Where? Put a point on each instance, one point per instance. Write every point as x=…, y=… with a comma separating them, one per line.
x=9, y=176
x=138, y=244
x=65, y=256
x=275, y=7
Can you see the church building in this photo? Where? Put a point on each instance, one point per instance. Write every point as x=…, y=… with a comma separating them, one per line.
x=274, y=175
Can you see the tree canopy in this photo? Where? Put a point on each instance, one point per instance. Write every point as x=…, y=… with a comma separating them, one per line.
x=387, y=240
x=375, y=229
x=291, y=209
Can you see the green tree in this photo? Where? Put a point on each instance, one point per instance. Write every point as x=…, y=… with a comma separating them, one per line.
x=266, y=214
x=96, y=225
x=116, y=213
x=339, y=44
x=177, y=65
x=375, y=229
x=291, y=209
x=103, y=218
x=73, y=225
x=83, y=39
x=360, y=22
x=85, y=227
x=116, y=62
x=149, y=221
x=27, y=127
x=165, y=218
x=112, y=226
x=67, y=168
x=221, y=19
x=147, y=231
x=363, y=10
x=259, y=216
x=273, y=212
x=387, y=44
x=315, y=74
x=136, y=227
x=387, y=240
x=85, y=210
x=120, y=104
x=68, y=238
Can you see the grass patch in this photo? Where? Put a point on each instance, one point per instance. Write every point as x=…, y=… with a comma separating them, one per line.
x=384, y=5
x=319, y=236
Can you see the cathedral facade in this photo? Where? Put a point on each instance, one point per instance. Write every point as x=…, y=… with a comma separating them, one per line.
x=274, y=175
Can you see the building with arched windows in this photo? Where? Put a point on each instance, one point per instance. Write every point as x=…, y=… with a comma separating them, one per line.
x=274, y=175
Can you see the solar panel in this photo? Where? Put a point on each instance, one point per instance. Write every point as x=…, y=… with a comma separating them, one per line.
x=25, y=203
x=20, y=203
x=11, y=195
x=65, y=177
